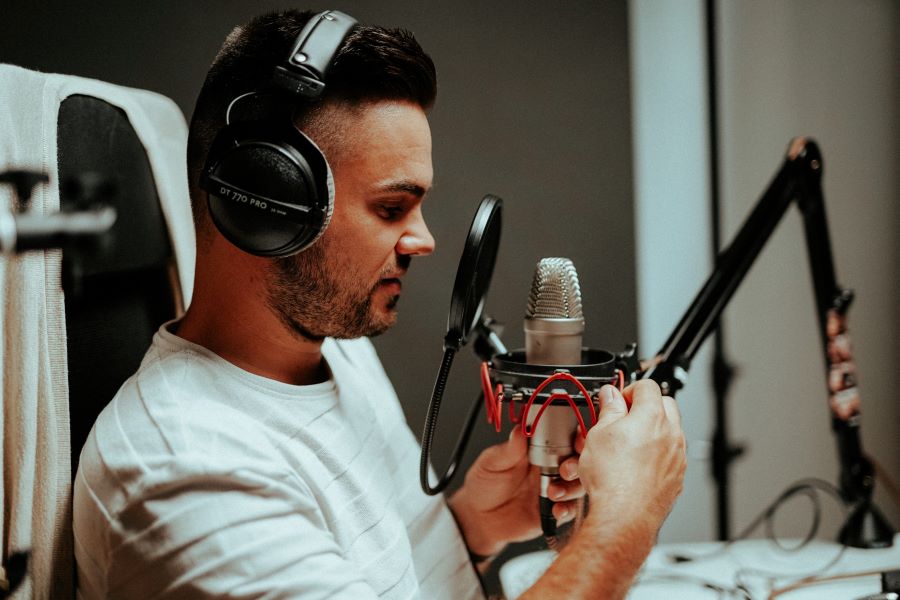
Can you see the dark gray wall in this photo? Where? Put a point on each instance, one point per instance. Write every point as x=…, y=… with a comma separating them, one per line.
x=533, y=106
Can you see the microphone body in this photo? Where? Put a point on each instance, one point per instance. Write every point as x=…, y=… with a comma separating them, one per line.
x=554, y=327
x=553, y=342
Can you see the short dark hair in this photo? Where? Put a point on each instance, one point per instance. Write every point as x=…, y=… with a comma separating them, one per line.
x=373, y=64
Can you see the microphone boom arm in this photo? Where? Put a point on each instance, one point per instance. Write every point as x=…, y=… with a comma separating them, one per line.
x=799, y=178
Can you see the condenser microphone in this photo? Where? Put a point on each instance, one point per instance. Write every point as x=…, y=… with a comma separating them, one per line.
x=554, y=325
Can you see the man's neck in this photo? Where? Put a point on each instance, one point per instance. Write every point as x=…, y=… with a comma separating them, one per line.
x=258, y=343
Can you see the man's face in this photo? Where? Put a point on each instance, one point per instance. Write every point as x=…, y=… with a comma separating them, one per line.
x=347, y=284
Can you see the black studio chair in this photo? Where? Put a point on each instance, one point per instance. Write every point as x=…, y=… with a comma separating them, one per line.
x=117, y=295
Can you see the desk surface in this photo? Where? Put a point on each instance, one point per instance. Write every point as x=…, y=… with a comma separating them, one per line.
x=758, y=564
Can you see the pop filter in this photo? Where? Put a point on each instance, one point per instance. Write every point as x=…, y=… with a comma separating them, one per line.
x=473, y=277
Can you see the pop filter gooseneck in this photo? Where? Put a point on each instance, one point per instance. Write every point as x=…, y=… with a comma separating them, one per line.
x=473, y=277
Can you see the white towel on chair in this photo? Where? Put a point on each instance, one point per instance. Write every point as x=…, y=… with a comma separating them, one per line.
x=34, y=413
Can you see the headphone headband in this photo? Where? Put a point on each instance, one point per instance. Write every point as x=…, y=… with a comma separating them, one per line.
x=303, y=72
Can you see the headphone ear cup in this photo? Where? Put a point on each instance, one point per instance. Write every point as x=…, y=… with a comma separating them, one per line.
x=268, y=195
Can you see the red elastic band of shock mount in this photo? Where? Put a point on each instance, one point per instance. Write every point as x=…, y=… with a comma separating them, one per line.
x=562, y=396
x=493, y=401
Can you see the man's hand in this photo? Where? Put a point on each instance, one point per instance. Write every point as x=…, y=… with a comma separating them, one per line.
x=498, y=502
x=633, y=462
x=632, y=467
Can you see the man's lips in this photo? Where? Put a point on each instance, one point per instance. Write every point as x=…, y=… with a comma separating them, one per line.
x=392, y=284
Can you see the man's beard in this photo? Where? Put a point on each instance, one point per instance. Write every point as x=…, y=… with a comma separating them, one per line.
x=315, y=301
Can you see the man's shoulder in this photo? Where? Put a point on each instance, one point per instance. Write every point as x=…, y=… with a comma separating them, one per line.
x=168, y=385
x=175, y=408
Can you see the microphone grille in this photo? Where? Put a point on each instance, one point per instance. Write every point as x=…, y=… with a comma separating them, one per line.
x=555, y=293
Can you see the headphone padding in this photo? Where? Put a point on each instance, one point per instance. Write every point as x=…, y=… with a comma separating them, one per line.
x=288, y=169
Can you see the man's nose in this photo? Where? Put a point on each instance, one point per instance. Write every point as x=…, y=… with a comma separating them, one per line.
x=417, y=239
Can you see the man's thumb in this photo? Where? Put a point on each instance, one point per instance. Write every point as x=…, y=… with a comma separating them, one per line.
x=612, y=406
x=505, y=456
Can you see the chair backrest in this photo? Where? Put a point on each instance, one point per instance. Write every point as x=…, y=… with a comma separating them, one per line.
x=117, y=297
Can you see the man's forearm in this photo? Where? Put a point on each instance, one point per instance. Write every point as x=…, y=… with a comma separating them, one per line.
x=600, y=560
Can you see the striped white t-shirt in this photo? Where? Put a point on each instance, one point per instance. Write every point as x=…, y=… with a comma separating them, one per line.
x=201, y=480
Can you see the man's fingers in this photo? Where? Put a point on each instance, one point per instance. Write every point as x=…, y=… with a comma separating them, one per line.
x=568, y=469
x=565, y=511
x=644, y=395
x=612, y=406
x=560, y=491
x=503, y=457
x=579, y=442
x=647, y=400
x=672, y=411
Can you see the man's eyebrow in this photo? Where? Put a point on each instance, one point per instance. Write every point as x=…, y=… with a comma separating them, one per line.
x=406, y=187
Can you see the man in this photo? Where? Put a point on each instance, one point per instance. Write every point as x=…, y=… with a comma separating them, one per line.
x=260, y=450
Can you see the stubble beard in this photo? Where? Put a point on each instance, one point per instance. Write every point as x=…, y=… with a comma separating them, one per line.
x=315, y=299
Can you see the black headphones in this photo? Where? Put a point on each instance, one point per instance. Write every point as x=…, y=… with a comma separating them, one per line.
x=269, y=187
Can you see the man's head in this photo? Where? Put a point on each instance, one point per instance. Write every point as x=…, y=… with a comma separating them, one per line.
x=370, y=123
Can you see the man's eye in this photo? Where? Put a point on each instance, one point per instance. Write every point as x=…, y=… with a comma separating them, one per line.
x=390, y=212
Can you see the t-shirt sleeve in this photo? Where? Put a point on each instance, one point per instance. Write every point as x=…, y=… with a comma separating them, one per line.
x=238, y=534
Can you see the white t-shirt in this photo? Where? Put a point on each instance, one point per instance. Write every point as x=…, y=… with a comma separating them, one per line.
x=202, y=480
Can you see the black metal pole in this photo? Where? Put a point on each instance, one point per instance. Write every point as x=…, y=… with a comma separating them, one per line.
x=723, y=452
x=731, y=266
x=866, y=527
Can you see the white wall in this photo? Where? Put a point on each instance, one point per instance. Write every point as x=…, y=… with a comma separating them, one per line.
x=824, y=68
x=671, y=171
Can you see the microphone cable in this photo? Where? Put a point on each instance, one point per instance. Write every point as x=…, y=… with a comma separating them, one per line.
x=808, y=487
x=812, y=488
